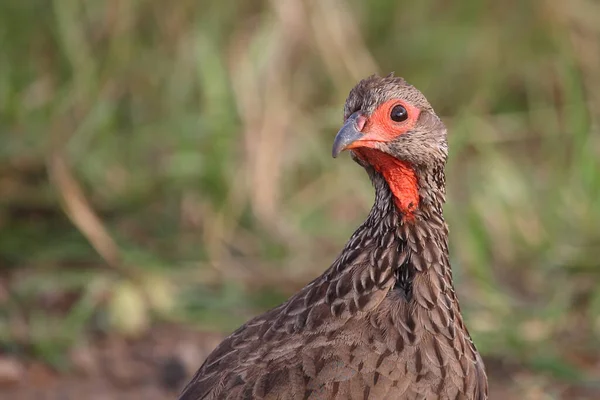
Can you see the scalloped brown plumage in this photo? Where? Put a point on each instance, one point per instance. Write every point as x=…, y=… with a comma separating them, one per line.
x=383, y=322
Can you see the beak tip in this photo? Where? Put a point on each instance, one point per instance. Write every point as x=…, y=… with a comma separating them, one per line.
x=346, y=136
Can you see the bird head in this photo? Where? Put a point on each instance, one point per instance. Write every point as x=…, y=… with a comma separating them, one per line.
x=390, y=126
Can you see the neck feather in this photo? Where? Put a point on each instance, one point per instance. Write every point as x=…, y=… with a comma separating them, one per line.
x=391, y=251
x=421, y=234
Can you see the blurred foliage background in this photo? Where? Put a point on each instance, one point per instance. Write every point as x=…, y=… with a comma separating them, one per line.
x=169, y=162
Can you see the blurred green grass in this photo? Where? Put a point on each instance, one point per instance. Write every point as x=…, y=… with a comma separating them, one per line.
x=165, y=161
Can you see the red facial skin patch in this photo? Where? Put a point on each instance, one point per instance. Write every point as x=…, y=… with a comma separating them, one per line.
x=399, y=175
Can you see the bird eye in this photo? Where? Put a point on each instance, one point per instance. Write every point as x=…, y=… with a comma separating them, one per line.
x=399, y=113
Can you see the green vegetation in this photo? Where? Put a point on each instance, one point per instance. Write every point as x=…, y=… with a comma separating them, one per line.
x=170, y=161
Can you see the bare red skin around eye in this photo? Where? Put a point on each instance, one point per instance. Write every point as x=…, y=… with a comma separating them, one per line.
x=380, y=125
x=399, y=175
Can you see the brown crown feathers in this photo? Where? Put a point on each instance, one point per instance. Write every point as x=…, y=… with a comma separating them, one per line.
x=383, y=322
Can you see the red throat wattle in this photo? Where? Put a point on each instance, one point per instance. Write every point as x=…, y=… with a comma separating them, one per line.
x=400, y=177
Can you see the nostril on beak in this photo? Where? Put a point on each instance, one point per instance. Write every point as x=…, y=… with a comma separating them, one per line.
x=349, y=133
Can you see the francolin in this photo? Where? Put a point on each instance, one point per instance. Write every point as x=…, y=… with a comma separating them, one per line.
x=383, y=321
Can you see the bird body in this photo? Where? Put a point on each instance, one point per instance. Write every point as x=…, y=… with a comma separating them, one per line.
x=383, y=321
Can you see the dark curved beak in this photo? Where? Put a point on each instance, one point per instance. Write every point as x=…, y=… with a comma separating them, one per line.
x=349, y=133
